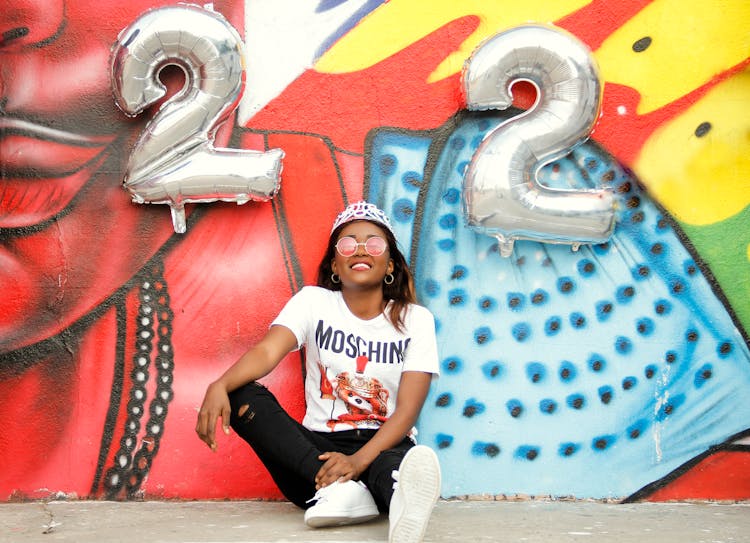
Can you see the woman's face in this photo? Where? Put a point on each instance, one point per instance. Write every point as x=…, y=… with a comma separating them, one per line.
x=362, y=270
x=69, y=234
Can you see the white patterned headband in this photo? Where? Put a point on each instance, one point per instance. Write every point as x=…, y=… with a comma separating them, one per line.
x=362, y=211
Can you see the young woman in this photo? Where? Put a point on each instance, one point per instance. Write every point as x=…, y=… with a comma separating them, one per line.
x=370, y=355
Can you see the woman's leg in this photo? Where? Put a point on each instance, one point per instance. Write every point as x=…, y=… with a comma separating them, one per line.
x=379, y=476
x=287, y=449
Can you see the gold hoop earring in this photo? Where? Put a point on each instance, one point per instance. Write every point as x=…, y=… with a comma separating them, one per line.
x=388, y=279
x=335, y=279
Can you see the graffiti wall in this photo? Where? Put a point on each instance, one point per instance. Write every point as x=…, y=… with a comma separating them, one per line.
x=619, y=370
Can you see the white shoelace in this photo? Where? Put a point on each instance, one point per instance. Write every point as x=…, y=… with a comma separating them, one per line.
x=320, y=495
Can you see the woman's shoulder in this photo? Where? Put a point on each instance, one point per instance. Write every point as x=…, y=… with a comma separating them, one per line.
x=310, y=299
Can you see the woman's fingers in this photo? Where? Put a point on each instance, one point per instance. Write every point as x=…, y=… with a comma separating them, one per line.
x=337, y=467
x=206, y=428
x=225, y=414
x=215, y=406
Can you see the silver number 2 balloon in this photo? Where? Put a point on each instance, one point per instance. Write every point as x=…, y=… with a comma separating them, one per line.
x=501, y=194
x=174, y=161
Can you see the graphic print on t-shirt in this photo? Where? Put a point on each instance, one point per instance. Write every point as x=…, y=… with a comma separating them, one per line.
x=341, y=395
x=365, y=398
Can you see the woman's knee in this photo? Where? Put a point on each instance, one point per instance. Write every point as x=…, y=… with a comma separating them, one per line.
x=242, y=400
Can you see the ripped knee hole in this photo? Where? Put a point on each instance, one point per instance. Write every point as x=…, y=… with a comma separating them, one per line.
x=244, y=412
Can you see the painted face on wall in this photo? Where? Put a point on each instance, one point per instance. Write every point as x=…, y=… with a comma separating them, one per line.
x=63, y=144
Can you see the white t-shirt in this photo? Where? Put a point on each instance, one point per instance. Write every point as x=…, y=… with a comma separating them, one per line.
x=354, y=366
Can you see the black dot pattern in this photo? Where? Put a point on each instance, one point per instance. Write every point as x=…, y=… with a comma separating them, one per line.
x=557, y=365
x=642, y=44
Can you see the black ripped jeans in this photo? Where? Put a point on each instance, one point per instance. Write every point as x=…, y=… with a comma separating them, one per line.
x=290, y=451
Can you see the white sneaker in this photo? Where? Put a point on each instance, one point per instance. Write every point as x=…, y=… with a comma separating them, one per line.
x=341, y=503
x=416, y=491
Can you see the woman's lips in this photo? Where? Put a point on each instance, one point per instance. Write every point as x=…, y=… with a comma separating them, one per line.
x=42, y=169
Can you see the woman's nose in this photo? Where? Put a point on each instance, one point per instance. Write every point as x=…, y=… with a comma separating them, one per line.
x=361, y=250
x=30, y=22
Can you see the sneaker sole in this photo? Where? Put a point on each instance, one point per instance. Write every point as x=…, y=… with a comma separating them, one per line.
x=419, y=484
x=342, y=519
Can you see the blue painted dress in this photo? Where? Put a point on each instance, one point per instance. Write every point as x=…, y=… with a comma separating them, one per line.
x=591, y=373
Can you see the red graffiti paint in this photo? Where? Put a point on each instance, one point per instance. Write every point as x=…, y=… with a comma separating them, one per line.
x=393, y=92
x=71, y=322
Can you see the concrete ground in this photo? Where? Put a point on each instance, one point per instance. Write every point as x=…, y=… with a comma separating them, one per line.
x=452, y=521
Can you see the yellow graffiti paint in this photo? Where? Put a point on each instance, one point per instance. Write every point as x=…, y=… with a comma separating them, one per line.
x=683, y=45
x=400, y=23
x=698, y=164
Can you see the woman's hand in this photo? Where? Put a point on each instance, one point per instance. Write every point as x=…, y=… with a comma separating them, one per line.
x=251, y=366
x=337, y=467
x=215, y=406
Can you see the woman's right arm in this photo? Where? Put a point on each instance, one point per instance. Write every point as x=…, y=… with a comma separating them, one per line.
x=256, y=363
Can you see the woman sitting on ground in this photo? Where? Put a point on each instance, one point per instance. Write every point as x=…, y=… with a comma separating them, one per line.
x=370, y=356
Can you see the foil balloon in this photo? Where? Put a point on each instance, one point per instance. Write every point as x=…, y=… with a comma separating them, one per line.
x=501, y=194
x=174, y=160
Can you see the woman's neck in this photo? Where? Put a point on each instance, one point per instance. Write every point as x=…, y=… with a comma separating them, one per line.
x=364, y=304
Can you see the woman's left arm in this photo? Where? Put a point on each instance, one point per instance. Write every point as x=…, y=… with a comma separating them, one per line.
x=412, y=392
